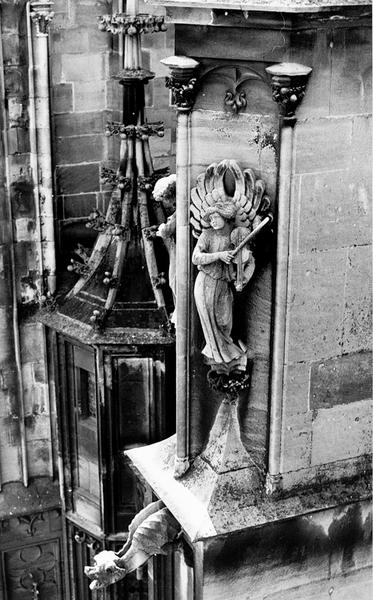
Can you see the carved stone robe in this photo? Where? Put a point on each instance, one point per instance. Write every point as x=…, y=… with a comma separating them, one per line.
x=214, y=298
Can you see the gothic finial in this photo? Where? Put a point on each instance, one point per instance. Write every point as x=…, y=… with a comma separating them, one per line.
x=182, y=80
x=41, y=14
x=289, y=81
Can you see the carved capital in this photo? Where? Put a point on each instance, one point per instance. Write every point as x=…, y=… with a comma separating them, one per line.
x=183, y=94
x=41, y=14
x=289, y=82
x=182, y=81
x=141, y=132
x=131, y=24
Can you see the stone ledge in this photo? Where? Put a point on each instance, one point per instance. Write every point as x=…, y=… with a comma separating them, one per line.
x=292, y=6
x=208, y=504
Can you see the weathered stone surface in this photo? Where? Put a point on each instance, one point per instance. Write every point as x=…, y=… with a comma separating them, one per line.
x=341, y=432
x=357, y=317
x=78, y=178
x=312, y=47
x=88, y=123
x=39, y=458
x=296, y=389
x=351, y=80
x=332, y=139
x=62, y=98
x=341, y=380
x=335, y=211
x=216, y=135
x=88, y=98
x=79, y=205
x=296, y=442
x=78, y=149
x=83, y=67
x=315, y=307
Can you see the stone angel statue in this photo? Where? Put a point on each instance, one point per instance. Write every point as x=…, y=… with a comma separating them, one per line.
x=225, y=225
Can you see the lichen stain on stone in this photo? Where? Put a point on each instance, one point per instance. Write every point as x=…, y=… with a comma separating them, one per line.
x=11, y=427
x=31, y=226
x=23, y=198
x=361, y=197
x=42, y=454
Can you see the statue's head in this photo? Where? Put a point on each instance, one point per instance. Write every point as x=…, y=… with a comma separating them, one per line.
x=219, y=214
x=165, y=191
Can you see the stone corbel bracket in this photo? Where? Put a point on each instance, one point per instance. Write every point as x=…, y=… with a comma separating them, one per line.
x=182, y=81
x=131, y=24
x=41, y=14
x=289, y=82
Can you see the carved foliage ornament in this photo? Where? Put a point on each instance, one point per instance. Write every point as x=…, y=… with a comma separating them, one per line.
x=225, y=222
x=183, y=93
x=41, y=14
x=131, y=24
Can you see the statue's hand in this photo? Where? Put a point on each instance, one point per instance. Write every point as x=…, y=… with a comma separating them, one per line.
x=226, y=256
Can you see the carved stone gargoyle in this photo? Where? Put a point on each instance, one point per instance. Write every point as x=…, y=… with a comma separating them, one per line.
x=229, y=208
x=149, y=533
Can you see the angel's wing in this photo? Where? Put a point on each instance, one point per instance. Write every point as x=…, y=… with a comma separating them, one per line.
x=249, y=194
x=253, y=203
x=202, y=196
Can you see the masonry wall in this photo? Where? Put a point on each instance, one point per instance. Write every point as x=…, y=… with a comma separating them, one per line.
x=326, y=554
x=327, y=377
x=327, y=381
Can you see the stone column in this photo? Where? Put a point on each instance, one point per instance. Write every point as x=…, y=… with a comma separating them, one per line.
x=182, y=85
x=289, y=82
x=41, y=15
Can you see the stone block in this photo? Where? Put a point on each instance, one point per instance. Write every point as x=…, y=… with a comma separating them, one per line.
x=39, y=459
x=113, y=94
x=216, y=135
x=312, y=47
x=296, y=389
x=341, y=432
x=78, y=179
x=83, y=67
x=11, y=49
x=78, y=149
x=361, y=142
x=32, y=342
x=296, y=442
x=161, y=146
x=89, y=96
x=81, y=124
x=335, y=211
x=344, y=587
x=73, y=41
x=10, y=461
x=357, y=317
x=315, y=306
x=79, y=205
x=351, y=83
x=62, y=99
x=341, y=380
x=323, y=145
